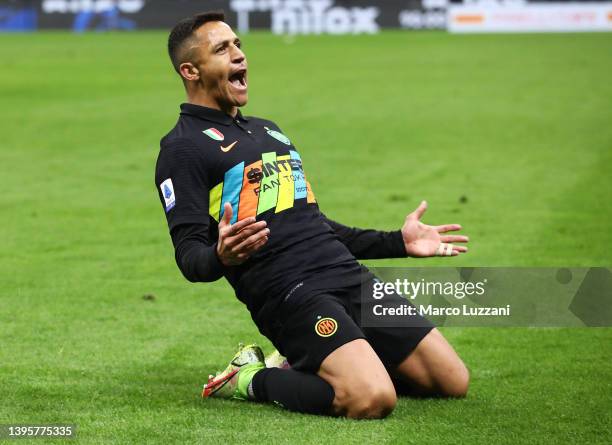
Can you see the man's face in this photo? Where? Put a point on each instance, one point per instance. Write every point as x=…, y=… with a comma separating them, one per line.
x=222, y=65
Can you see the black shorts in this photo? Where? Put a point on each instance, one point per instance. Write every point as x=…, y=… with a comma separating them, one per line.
x=316, y=324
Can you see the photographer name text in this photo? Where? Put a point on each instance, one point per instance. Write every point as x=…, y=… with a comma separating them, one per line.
x=430, y=310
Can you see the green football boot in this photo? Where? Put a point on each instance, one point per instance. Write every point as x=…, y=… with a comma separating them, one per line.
x=276, y=360
x=233, y=382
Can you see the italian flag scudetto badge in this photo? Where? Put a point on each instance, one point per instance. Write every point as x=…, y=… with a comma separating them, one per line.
x=215, y=134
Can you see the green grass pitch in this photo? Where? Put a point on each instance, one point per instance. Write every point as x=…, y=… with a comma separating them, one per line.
x=510, y=135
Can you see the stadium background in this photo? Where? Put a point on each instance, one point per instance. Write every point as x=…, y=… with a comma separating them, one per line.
x=508, y=134
x=313, y=16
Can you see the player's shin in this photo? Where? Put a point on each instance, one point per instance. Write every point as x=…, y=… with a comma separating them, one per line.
x=293, y=390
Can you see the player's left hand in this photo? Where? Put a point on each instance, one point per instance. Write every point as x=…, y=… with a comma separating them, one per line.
x=422, y=240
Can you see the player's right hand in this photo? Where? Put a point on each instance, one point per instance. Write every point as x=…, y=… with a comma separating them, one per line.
x=238, y=241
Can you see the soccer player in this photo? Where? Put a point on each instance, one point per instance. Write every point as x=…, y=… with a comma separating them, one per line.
x=239, y=206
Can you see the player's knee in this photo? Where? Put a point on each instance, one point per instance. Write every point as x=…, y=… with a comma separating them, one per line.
x=372, y=402
x=377, y=403
x=457, y=382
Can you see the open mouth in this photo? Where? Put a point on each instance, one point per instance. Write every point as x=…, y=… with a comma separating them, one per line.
x=239, y=79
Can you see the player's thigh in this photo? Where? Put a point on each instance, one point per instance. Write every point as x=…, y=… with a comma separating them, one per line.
x=434, y=368
x=362, y=385
x=392, y=339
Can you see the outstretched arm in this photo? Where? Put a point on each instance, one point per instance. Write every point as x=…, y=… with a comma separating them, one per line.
x=367, y=244
x=415, y=239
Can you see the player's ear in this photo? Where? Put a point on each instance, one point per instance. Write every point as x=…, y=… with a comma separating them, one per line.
x=188, y=71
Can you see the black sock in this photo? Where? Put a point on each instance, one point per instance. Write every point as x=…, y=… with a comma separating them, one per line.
x=293, y=390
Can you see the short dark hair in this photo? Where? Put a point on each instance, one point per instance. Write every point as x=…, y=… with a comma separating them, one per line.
x=183, y=31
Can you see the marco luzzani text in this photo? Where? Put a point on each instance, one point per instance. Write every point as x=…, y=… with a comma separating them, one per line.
x=422, y=288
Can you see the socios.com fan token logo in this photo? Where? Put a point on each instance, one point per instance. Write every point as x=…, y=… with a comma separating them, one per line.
x=278, y=136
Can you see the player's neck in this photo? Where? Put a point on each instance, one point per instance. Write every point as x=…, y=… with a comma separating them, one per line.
x=206, y=101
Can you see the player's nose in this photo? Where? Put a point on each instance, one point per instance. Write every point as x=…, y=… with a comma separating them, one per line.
x=237, y=55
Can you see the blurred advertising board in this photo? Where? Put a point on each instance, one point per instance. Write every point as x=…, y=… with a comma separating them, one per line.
x=519, y=16
x=279, y=16
x=311, y=16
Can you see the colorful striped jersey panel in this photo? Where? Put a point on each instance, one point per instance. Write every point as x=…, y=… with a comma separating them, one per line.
x=274, y=182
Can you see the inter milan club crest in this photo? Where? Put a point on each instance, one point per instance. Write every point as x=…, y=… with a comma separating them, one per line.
x=213, y=133
x=326, y=327
x=278, y=136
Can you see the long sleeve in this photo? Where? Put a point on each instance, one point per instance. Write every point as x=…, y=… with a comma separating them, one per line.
x=184, y=194
x=196, y=259
x=367, y=244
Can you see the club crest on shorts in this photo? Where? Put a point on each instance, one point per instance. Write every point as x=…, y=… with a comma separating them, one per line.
x=326, y=327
